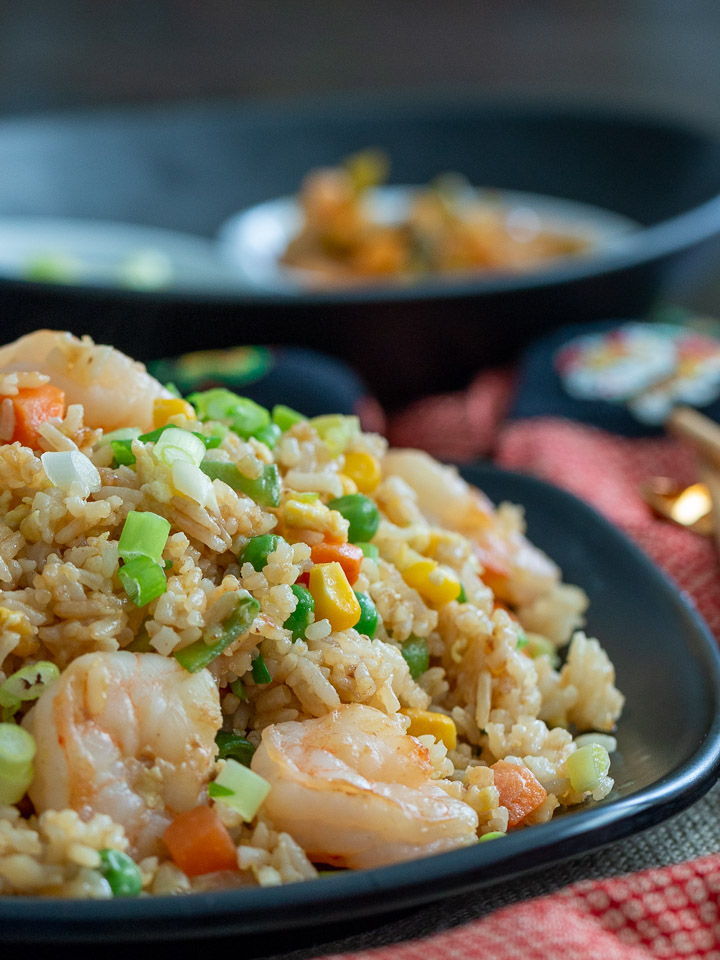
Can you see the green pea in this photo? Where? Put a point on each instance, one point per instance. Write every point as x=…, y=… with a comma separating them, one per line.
x=493, y=835
x=361, y=512
x=256, y=550
x=368, y=622
x=415, y=654
x=369, y=550
x=121, y=872
x=302, y=616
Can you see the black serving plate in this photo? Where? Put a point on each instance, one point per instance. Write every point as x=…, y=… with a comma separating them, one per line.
x=669, y=754
x=188, y=167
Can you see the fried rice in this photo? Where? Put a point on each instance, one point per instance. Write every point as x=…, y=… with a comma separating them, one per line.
x=334, y=656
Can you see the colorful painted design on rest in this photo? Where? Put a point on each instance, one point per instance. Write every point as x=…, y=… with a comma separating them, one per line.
x=233, y=366
x=649, y=367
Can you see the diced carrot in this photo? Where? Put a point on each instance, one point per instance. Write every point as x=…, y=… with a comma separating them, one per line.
x=304, y=578
x=499, y=605
x=347, y=555
x=520, y=790
x=198, y=842
x=33, y=406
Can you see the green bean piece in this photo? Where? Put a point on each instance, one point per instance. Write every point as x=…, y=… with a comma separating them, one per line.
x=264, y=490
x=121, y=872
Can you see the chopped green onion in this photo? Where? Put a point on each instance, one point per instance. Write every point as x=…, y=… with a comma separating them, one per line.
x=175, y=444
x=269, y=435
x=247, y=790
x=336, y=431
x=25, y=684
x=257, y=550
x=216, y=790
x=171, y=388
x=285, y=417
x=416, y=656
x=124, y=433
x=121, y=872
x=264, y=490
x=141, y=644
x=260, y=672
x=539, y=646
x=368, y=622
x=303, y=614
x=587, y=767
x=244, y=416
x=154, y=435
x=231, y=746
x=492, y=835
x=189, y=480
x=67, y=467
x=17, y=751
x=143, y=580
x=122, y=452
x=369, y=550
x=522, y=640
x=462, y=596
x=361, y=512
x=199, y=654
x=143, y=535
x=238, y=688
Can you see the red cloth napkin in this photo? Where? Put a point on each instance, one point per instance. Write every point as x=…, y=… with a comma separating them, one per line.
x=669, y=913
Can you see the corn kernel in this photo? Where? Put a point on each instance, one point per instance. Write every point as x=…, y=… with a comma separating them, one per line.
x=348, y=485
x=364, y=470
x=15, y=621
x=436, y=585
x=166, y=407
x=438, y=725
x=334, y=597
x=315, y=516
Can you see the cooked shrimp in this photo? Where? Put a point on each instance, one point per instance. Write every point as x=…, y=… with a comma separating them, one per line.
x=355, y=790
x=114, y=390
x=515, y=569
x=128, y=735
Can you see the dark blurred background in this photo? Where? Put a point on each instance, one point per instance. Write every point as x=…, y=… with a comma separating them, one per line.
x=652, y=54
x=656, y=56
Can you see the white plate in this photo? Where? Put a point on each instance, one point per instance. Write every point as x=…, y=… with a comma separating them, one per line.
x=254, y=240
x=109, y=254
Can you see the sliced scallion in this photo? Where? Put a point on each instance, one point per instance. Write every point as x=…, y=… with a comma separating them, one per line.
x=231, y=746
x=175, y=444
x=285, y=417
x=243, y=789
x=25, y=684
x=143, y=535
x=587, y=767
x=199, y=654
x=260, y=672
x=65, y=468
x=17, y=751
x=143, y=580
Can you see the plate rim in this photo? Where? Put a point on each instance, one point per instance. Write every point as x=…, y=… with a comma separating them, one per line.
x=364, y=893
